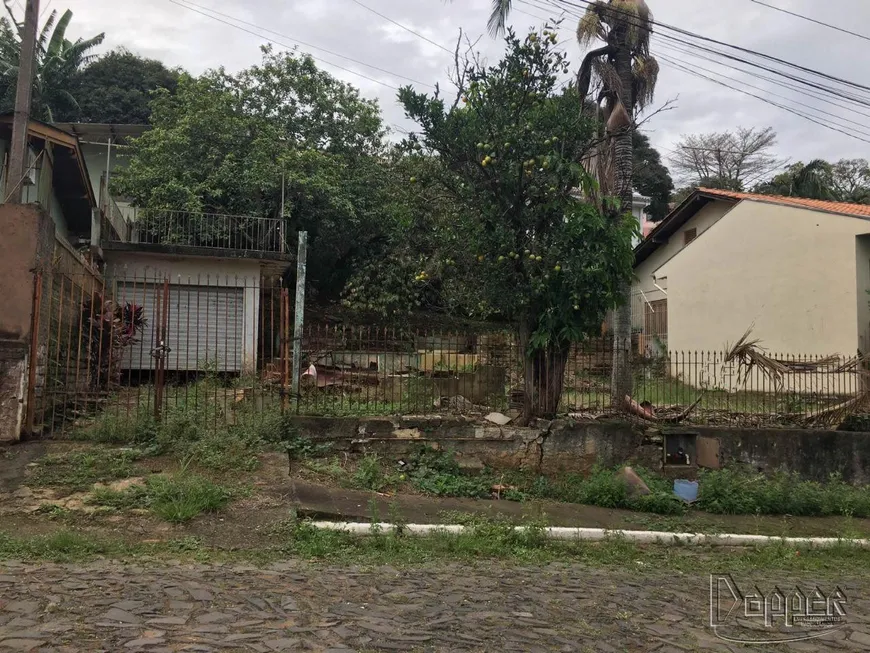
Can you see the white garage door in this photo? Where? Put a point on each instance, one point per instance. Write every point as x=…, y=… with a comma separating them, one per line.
x=205, y=327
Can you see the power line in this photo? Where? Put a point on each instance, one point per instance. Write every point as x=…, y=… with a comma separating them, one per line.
x=190, y=6
x=812, y=20
x=848, y=96
x=404, y=27
x=687, y=33
x=792, y=87
x=781, y=106
x=776, y=95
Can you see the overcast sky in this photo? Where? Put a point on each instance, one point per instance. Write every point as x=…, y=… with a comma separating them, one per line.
x=181, y=37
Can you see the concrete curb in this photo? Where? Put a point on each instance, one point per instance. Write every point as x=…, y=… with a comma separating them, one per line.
x=600, y=534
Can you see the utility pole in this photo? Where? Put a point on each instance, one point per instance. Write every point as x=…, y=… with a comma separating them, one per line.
x=23, y=94
x=299, y=316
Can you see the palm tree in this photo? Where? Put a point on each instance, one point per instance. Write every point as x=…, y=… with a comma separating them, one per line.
x=57, y=61
x=627, y=74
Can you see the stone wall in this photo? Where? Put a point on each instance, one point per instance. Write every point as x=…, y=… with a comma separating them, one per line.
x=572, y=446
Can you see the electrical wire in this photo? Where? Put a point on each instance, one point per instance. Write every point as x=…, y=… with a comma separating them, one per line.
x=826, y=114
x=849, y=96
x=707, y=39
x=404, y=27
x=758, y=97
x=198, y=9
x=812, y=20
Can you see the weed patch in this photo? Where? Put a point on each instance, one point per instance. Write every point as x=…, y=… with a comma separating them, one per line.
x=735, y=492
x=80, y=470
x=177, y=498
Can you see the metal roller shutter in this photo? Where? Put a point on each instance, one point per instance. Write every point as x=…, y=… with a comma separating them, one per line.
x=205, y=327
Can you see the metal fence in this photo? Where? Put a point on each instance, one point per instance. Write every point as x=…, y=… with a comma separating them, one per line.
x=207, y=230
x=220, y=347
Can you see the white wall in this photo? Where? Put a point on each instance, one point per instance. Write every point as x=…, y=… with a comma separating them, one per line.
x=197, y=271
x=791, y=272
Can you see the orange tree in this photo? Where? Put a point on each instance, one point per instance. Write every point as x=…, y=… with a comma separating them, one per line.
x=493, y=219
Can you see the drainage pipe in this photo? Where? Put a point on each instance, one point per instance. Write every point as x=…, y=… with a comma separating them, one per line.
x=600, y=534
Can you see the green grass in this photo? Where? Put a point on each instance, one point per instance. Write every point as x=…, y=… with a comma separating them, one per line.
x=80, y=470
x=177, y=498
x=485, y=540
x=182, y=497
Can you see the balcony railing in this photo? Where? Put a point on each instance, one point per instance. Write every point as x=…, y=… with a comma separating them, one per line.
x=208, y=231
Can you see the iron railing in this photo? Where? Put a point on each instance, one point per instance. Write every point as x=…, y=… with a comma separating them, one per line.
x=221, y=347
x=209, y=231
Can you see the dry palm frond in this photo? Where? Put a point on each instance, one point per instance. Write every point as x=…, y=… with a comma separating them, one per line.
x=634, y=18
x=606, y=73
x=619, y=119
x=646, y=74
x=834, y=415
x=590, y=26
x=813, y=365
x=749, y=355
x=853, y=364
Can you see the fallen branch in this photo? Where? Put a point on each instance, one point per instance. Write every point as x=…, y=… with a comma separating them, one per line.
x=636, y=409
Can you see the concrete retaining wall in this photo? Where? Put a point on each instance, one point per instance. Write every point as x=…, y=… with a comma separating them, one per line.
x=572, y=446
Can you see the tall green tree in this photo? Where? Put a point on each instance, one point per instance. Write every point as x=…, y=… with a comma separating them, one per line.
x=651, y=177
x=505, y=236
x=117, y=88
x=58, y=60
x=848, y=180
x=627, y=74
x=222, y=143
x=813, y=180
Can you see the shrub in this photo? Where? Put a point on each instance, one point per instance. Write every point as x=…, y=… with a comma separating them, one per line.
x=183, y=496
x=369, y=475
x=139, y=427
x=737, y=492
x=436, y=472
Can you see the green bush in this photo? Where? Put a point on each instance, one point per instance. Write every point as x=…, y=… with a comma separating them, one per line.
x=436, y=472
x=369, y=474
x=736, y=492
x=193, y=434
x=139, y=427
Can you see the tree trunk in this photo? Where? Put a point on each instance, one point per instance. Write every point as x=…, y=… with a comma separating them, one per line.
x=621, y=384
x=544, y=375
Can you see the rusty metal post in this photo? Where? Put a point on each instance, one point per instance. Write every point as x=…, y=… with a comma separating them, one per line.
x=162, y=313
x=285, y=340
x=30, y=414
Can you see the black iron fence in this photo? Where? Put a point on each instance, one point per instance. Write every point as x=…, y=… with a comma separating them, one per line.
x=221, y=347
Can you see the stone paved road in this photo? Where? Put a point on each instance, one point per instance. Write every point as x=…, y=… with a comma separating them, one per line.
x=292, y=606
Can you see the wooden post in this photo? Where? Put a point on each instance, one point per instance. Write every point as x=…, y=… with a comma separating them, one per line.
x=299, y=316
x=23, y=95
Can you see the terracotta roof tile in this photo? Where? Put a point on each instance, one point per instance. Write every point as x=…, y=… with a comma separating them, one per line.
x=861, y=210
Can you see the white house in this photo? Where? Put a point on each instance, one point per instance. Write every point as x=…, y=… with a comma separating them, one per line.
x=198, y=277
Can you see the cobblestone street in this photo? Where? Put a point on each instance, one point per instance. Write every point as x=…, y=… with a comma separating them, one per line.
x=293, y=606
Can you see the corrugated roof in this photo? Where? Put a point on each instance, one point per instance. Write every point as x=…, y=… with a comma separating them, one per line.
x=845, y=208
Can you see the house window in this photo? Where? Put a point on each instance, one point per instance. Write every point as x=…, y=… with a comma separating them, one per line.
x=689, y=235
x=655, y=323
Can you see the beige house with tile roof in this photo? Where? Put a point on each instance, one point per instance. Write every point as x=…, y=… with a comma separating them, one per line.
x=796, y=269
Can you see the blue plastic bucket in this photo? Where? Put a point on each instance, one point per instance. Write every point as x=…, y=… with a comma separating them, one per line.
x=686, y=490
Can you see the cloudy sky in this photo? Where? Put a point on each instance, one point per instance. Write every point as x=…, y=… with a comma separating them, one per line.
x=181, y=37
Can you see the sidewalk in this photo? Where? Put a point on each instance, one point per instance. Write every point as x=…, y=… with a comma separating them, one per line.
x=331, y=503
